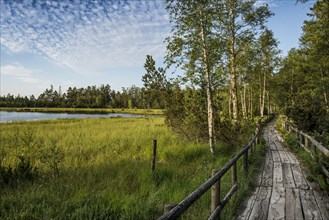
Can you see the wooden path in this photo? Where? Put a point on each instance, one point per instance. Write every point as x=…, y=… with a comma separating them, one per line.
x=283, y=192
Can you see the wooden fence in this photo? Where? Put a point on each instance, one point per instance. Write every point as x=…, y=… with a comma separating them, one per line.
x=214, y=183
x=307, y=142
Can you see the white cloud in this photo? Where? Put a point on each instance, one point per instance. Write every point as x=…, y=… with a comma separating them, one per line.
x=22, y=73
x=17, y=70
x=87, y=36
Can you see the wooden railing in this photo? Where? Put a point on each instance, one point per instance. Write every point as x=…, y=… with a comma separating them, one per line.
x=307, y=142
x=214, y=183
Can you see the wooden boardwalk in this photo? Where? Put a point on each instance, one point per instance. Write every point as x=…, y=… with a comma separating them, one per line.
x=283, y=191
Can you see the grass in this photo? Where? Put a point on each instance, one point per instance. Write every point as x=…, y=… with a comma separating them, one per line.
x=88, y=110
x=101, y=169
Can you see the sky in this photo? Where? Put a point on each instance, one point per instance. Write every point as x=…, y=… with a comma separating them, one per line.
x=80, y=43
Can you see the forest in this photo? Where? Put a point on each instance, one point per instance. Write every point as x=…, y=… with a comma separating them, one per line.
x=233, y=74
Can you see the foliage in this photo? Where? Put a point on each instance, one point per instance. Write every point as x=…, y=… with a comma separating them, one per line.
x=225, y=52
x=52, y=157
x=302, y=83
x=155, y=84
x=193, y=45
x=23, y=172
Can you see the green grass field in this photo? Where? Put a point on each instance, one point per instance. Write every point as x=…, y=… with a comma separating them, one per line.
x=88, y=110
x=101, y=169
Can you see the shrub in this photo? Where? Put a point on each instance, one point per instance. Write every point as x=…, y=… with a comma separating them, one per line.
x=23, y=172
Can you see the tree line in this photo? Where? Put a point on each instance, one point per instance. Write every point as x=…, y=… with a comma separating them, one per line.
x=90, y=97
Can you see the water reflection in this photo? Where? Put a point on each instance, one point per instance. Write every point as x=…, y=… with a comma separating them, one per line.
x=32, y=116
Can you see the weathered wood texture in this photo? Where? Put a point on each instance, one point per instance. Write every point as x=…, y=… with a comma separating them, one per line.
x=283, y=191
x=293, y=205
x=262, y=200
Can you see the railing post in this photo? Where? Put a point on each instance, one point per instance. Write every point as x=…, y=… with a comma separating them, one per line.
x=306, y=142
x=154, y=154
x=234, y=174
x=252, y=146
x=215, y=194
x=245, y=163
x=168, y=207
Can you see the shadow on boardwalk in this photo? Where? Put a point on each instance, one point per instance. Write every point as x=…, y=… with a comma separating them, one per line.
x=283, y=192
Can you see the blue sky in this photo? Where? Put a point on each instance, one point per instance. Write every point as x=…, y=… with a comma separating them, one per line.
x=89, y=42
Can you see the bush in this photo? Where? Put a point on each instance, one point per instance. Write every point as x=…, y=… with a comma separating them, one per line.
x=292, y=141
x=23, y=172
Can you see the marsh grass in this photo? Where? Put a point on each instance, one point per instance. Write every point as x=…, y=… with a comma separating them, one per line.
x=88, y=110
x=101, y=169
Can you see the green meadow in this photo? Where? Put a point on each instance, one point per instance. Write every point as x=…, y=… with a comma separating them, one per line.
x=101, y=169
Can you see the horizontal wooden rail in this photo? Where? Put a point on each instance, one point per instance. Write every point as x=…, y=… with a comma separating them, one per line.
x=181, y=207
x=308, y=143
x=222, y=204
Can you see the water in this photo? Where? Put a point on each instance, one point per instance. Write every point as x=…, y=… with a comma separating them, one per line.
x=32, y=116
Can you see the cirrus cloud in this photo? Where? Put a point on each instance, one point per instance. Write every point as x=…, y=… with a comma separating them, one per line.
x=87, y=36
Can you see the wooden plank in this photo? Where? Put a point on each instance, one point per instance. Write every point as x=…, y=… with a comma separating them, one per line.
x=261, y=205
x=300, y=181
x=249, y=205
x=293, y=204
x=272, y=146
x=292, y=157
x=277, y=175
x=278, y=145
x=288, y=179
x=266, y=135
x=310, y=208
x=276, y=156
x=322, y=200
x=267, y=179
x=277, y=203
x=283, y=156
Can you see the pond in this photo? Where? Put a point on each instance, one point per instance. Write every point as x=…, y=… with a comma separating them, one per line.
x=6, y=116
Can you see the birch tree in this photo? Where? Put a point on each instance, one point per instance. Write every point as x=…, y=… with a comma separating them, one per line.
x=241, y=20
x=194, y=48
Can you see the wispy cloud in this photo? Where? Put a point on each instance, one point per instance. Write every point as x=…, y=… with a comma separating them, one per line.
x=22, y=73
x=17, y=70
x=86, y=36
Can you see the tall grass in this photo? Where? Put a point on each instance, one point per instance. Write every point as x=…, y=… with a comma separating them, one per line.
x=101, y=169
x=87, y=110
